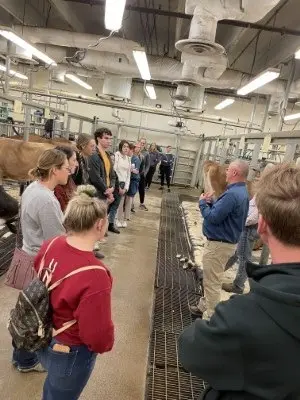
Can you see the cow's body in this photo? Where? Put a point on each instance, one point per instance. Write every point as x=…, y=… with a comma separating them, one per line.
x=17, y=158
x=215, y=179
x=39, y=139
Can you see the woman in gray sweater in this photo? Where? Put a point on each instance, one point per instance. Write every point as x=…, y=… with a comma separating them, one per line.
x=41, y=219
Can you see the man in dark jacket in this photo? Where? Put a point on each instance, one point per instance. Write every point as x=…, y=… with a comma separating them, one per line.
x=166, y=167
x=101, y=171
x=250, y=348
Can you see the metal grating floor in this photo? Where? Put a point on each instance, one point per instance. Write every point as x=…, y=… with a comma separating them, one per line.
x=175, y=290
x=7, y=246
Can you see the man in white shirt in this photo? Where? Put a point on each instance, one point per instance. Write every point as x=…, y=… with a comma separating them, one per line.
x=244, y=251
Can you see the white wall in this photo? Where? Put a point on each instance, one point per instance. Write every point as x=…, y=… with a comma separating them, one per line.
x=239, y=112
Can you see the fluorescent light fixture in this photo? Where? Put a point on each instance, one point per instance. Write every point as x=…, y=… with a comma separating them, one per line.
x=262, y=79
x=77, y=80
x=13, y=73
x=142, y=63
x=150, y=91
x=9, y=35
x=114, y=11
x=225, y=103
x=297, y=55
x=292, y=116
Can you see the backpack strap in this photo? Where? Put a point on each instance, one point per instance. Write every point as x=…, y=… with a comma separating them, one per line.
x=42, y=263
x=65, y=326
x=76, y=271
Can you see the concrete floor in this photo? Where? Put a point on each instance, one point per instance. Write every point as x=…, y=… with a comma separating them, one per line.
x=120, y=374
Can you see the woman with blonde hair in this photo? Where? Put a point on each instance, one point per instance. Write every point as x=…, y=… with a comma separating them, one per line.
x=84, y=298
x=41, y=219
x=86, y=147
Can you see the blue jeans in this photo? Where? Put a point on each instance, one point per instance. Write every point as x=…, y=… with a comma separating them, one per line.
x=243, y=254
x=113, y=207
x=68, y=373
x=24, y=359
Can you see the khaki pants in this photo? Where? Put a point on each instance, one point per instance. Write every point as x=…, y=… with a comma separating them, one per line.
x=215, y=257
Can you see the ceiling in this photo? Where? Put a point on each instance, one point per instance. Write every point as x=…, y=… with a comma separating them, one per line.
x=144, y=23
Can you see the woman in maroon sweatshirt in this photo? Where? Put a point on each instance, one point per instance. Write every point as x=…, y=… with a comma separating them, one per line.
x=84, y=297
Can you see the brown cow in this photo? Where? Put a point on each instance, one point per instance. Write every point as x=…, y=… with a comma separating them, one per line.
x=17, y=158
x=39, y=139
x=215, y=179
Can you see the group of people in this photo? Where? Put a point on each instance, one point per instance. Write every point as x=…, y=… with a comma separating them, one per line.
x=76, y=196
x=249, y=346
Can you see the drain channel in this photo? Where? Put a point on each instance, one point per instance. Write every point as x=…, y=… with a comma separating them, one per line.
x=175, y=290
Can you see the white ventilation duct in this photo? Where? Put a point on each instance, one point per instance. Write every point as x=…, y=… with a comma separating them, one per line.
x=165, y=69
x=117, y=87
x=276, y=104
x=195, y=102
x=201, y=42
x=77, y=40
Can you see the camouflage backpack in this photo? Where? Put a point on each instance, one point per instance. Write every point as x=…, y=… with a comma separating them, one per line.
x=30, y=322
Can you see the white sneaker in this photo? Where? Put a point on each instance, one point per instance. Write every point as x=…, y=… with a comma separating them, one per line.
x=119, y=224
x=124, y=224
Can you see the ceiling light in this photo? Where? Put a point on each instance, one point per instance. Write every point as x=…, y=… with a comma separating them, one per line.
x=225, y=103
x=114, y=11
x=142, y=63
x=77, y=80
x=150, y=91
x=9, y=35
x=13, y=73
x=292, y=116
x=267, y=76
x=297, y=55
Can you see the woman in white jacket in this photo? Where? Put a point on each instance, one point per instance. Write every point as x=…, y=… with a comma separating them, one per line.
x=122, y=167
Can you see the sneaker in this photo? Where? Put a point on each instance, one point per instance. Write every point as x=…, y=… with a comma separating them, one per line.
x=119, y=224
x=169, y=190
x=231, y=288
x=112, y=228
x=132, y=210
x=143, y=207
x=195, y=311
x=37, y=368
x=161, y=188
x=124, y=224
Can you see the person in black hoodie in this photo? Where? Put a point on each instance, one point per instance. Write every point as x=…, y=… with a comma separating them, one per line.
x=166, y=167
x=250, y=348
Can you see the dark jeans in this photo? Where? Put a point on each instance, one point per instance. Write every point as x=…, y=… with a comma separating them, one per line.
x=24, y=359
x=165, y=172
x=243, y=254
x=142, y=188
x=150, y=175
x=68, y=373
x=113, y=207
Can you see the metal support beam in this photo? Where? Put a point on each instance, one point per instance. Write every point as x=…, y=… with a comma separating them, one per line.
x=175, y=14
x=253, y=113
x=67, y=13
x=290, y=152
x=16, y=9
x=197, y=164
x=27, y=121
x=287, y=92
x=264, y=121
x=7, y=65
x=80, y=126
